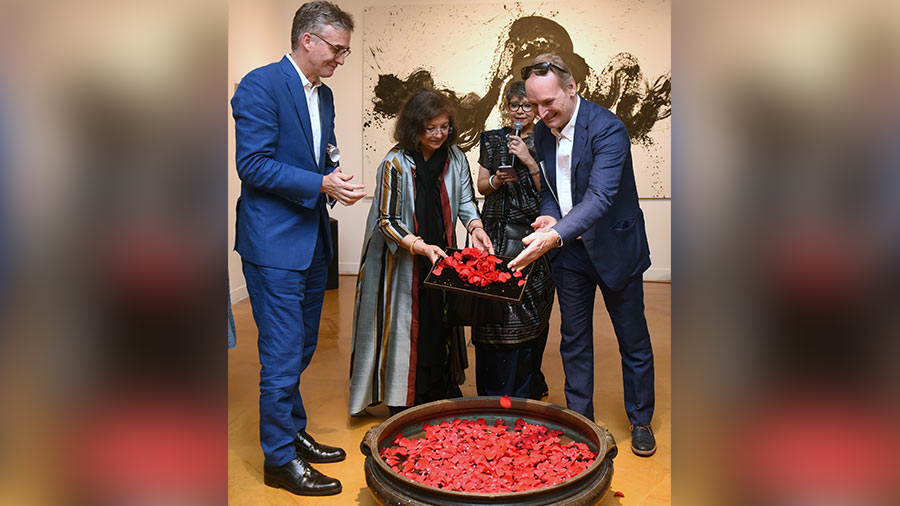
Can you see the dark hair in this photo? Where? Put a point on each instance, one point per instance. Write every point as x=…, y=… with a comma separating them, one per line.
x=515, y=89
x=423, y=106
x=564, y=77
x=311, y=16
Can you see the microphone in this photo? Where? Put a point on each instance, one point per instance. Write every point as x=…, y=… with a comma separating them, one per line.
x=517, y=127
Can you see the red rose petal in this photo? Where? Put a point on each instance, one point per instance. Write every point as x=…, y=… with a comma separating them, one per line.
x=497, y=460
x=618, y=494
x=505, y=402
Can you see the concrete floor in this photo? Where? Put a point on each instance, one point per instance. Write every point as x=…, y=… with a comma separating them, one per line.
x=643, y=481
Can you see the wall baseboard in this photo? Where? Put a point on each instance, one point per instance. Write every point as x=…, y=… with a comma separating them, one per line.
x=239, y=294
x=351, y=268
x=658, y=274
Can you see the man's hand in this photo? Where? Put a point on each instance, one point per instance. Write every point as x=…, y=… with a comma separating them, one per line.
x=543, y=223
x=337, y=185
x=536, y=244
x=481, y=240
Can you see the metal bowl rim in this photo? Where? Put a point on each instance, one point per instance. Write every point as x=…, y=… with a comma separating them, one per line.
x=570, y=483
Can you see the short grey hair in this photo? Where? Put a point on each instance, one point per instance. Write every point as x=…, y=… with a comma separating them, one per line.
x=311, y=16
x=564, y=78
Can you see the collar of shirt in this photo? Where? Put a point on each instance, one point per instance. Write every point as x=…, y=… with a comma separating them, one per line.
x=306, y=82
x=568, y=131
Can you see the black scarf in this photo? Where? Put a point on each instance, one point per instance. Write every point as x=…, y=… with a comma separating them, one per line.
x=429, y=210
x=433, y=334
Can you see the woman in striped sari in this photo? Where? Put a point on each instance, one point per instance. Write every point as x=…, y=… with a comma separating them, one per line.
x=404, y=353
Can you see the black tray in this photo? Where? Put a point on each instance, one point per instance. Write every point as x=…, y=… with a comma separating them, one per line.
x=506, y=292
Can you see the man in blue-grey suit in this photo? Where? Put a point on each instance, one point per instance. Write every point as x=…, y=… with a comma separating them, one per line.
x=284, y=129
x=589, y=210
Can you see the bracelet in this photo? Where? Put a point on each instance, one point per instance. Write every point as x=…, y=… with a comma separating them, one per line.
x=534, y=173
x=413, y=244
x=476, y=227
x=491, y=182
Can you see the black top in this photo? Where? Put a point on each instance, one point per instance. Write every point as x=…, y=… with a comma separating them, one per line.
x=518, y=202
x=507, y=215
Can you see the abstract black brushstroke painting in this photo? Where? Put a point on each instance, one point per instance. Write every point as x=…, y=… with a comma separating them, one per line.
x=447, y=59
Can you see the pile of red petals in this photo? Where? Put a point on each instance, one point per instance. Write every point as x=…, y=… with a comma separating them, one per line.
x=476, y=267
x=471, y=456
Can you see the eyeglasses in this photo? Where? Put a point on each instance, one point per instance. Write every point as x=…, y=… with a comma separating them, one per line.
x=541, y=69
x=338, y=50
x=442, y=130
x=523, y=106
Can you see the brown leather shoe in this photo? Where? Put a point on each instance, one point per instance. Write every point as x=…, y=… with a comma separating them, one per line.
x=300, y=478
x=316, y=453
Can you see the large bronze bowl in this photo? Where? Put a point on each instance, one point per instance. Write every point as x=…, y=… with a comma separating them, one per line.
x=391, y=488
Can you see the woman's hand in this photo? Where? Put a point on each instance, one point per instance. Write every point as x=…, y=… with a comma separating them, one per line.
x=518, y=147
x=481, y=240
x=434, y=253
x=505, y=176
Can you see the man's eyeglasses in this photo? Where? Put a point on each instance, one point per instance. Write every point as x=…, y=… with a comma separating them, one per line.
x=338, y=50
x=442, y=130
x=541, y=69
x=524, y=106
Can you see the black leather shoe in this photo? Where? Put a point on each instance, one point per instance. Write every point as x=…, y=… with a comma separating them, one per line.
x=311, y=451
x=642, y=441
x=300, y=478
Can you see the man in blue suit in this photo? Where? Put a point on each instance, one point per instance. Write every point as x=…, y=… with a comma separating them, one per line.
x=284, y=127
x=589, y=210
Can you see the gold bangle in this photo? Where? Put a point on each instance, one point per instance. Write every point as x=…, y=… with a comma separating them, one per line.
x=411, y=252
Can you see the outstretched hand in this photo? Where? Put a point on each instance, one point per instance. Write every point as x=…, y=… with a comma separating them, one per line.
x=543, y=222
x=539, y=242
x=337, y=185
x=482, y=241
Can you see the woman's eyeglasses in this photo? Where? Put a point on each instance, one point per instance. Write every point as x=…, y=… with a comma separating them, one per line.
x=442, y=130
x=524, y=106
x=338, y=50
x=541, y=69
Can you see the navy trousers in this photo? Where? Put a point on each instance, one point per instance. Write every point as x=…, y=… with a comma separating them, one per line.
x=287, y=306
x=576, y=286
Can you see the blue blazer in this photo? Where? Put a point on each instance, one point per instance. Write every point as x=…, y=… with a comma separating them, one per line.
x=605, y=212
x=281, y=211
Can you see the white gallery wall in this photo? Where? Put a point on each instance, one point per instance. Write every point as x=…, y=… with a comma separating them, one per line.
x=259, y=33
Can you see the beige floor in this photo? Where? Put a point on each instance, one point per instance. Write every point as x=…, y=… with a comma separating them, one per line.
x=643, y=481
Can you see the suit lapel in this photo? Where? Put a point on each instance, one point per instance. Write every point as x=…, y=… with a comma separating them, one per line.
x=548, y=142
x=326, y=107
x=544, y=143
x=579, y=144
x=295, y=85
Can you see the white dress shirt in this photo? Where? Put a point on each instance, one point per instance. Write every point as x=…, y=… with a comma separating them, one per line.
x=564, y=142
x=312, y=103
